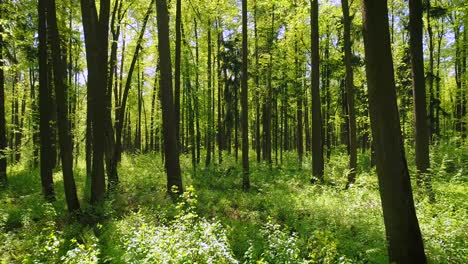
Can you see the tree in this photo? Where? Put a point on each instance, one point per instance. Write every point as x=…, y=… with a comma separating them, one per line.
x=177, y=68
x=59, y=67
x=3, y=141
x=44, y=108
x=317, y=146
x=349, y=83
x=171, y=151
x=421, y=129
x=401, y=224
x=96, y=32
x=244, y=102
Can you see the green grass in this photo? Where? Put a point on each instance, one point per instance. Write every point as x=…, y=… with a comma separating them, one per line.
x=283, y=219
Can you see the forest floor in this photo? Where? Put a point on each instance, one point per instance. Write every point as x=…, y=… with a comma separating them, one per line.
x=283, y=219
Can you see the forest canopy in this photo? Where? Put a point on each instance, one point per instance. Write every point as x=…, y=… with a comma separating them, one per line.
x=227, y=131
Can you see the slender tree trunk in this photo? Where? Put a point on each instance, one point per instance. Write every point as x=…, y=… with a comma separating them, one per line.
x=317, y=147
x=178, y=23
x=258, y=144
x=350, y=95
x=3, y=141
x=268, y=100
x=111, y=163
x=431, y=73
x=19, y=132
x=327, y=88
x=197, y=86
x=153, y=111
x=405, y=244
x=220, y=81
x=59, y=67
x=44, y=107
x=421, y=128
x=244, y=102
x=35, y=116
x=139, y=97
x=209, y=128
x=172, y=165
x=96, y=33
x=300, y=142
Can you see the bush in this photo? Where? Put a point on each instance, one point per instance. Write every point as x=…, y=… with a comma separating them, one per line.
x=145, y=237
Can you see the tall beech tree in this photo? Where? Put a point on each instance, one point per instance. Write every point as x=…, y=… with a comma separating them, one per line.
x=60, y=85
x=349, y=83
x=96, y=32
x=244, y=102
x=421, y=128
x=44, y=107
x=178, y=22
x=405, y=243
x=317, y=146
x=3, y=140
x=171, y=150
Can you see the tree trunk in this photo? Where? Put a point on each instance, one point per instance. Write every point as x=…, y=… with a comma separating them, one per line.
x=197, y=86
x=3, y=141
x=300, y=142
x=44, y=108
x=419, y=88
x=401, y=224
x=430, y=74
x=317, y=147
x=178, y=23
x=65, y=144
x=172, y=165
x=35, y=116
x=244, y=102
x=258, y=144
x=349, y=94
x=220, y=81
x=209, y=128
x=96, y=33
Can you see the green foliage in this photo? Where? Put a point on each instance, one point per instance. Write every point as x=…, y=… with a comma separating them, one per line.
x=187, y=238
x=283, y=219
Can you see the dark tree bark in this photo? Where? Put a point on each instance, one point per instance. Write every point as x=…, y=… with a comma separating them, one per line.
x=3, y=141
x=197, y=86
x=111, y=163
x=220, y=131
x=269, y=95
x=139, y=105
x=65, y=144
x=349, y=82
x=421, y=128
x=209, y=127
x=401, y=224
x=96, y=31
x=19, y=133
x=299, y=95
x=326, y=86
x=178, y=23
x=317, y=147
x=258, y=144
x=244, y=102
x=430, y=74
x=153, y=112
x=171, y=152
x=44, y=108
x=35, y=116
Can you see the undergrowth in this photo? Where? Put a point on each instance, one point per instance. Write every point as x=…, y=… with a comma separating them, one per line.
x=283, y=219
